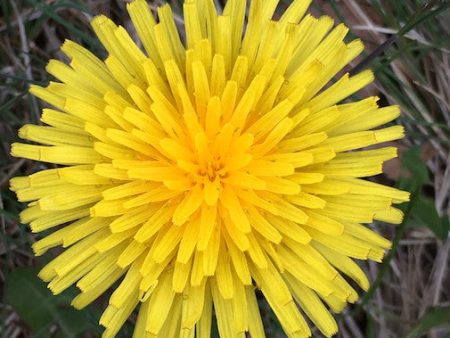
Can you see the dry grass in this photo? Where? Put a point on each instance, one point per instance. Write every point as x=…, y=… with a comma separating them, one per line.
x=413, y=72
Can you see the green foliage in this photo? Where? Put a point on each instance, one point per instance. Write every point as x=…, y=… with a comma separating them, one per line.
x=51, y=11
x=40, y=310
x=434, y=317
x=416, y=170
x=426, y=215
x=423, y=212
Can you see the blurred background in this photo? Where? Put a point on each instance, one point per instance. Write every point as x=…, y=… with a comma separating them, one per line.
x=407, y=46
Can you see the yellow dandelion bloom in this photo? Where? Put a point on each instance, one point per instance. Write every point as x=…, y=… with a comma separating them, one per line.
x=213, y=164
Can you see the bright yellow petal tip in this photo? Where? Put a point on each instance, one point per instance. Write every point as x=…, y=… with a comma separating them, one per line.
x=213, y=163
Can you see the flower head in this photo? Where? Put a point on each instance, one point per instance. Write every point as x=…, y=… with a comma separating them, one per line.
x=201, y=170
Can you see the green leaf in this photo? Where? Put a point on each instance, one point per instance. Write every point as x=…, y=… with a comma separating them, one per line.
x=445, y=222
x=413, y=162
x=40, y=309
x=425, y=212
x=435, y=316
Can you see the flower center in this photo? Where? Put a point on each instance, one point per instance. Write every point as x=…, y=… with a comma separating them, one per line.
x=211, y=170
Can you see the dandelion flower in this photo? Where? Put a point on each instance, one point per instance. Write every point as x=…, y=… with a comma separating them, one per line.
x=218, y=162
